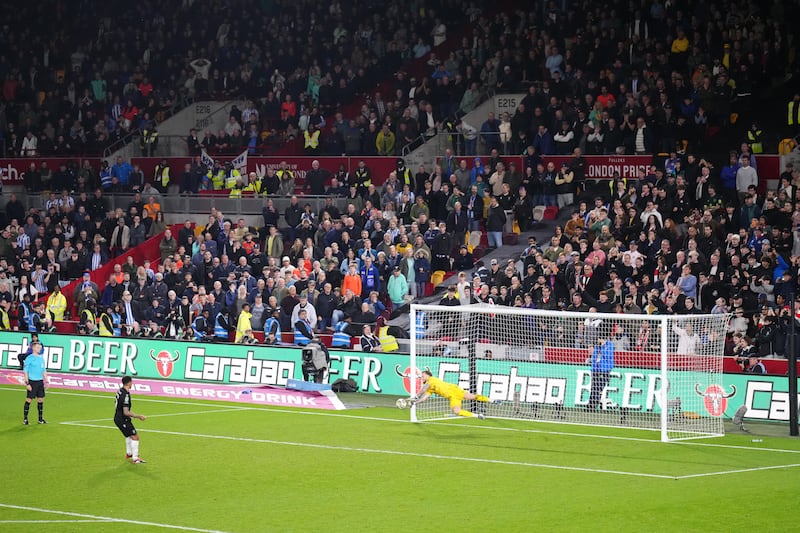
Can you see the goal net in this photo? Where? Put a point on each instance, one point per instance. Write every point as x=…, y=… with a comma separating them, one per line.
x=652, y=372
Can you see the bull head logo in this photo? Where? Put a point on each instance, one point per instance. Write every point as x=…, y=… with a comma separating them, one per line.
x=165, y=363
x=408, y=374
x=715, y=399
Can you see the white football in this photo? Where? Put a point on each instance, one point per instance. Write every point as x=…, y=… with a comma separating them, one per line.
x=401, y=403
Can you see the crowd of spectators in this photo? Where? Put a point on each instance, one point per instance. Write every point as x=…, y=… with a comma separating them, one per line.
x=638, y=78
x=618, y=80
x=692, y=234
x=44, y=250
x=675, y=242
x=75, y=87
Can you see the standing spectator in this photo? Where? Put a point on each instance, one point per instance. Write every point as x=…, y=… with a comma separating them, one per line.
x=244, y=327
x=602, y=365
x=168, y=245
x=495, y=223
x=490, y=133
x=397, y=287
x=122, y=170
x=56, y=304
x=746, y=176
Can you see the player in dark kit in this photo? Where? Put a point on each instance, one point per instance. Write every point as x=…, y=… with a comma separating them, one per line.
x=122, y=418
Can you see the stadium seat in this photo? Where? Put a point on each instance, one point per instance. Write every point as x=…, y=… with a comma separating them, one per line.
x=474, y=240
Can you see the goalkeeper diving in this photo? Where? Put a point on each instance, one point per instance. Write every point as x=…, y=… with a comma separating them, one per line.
x=453, y=393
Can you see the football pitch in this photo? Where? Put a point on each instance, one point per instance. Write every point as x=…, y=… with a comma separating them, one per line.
x=213, y=466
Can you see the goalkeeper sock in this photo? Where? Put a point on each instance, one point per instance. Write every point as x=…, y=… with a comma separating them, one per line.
x=482, y=398
x=466, y=413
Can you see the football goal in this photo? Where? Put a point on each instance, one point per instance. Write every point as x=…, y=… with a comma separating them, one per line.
x=651, y=372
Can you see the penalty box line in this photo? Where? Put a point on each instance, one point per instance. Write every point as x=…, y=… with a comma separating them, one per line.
x=269, y=409
x=73, y=422
x=737, y=471
x=99, y=519
x=394, y=452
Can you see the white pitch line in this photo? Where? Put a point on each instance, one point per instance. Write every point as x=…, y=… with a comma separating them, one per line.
x=405, y=421
x=88, y=521
x=725, y=472
x=394, y=452
x=161, y=415
x=107, y=518
x=139, y=398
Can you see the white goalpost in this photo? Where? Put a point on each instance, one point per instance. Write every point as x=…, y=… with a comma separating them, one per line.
x=650, y=372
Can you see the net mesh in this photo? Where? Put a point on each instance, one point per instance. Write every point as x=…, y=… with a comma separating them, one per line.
x=637, y=371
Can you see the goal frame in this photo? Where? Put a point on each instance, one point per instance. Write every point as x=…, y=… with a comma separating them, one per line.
x=663, y=357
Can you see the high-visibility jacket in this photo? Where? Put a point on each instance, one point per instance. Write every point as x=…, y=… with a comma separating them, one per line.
x=388, y=342
x=106, y=326
x=231, y=178
x=754, y=138
x=420, y=325
x=236, y=192
x=24, y=317
x=311, y=141
x=57, y=304
x=793, y=115
x=253, y=186
x=5, y=320
x=273, y=325
x=152, y=208
x=220, y=331
x=300, y=338
x=340, y=338
x=243, y=325
x=162, y=175
x=363, y=177
x=88, y=316
x=217, y=179
x=116, y=324
x=405, y=177
x=198, y=325
x=148, y=139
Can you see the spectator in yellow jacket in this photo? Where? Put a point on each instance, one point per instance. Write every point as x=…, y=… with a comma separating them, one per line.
x=243, y=325
x=57, y=304
x=385, y=141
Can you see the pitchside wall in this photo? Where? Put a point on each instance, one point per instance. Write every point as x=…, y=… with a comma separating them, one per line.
x=631, y=388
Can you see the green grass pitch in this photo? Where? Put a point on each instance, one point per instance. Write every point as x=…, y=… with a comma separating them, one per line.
x=220, y=467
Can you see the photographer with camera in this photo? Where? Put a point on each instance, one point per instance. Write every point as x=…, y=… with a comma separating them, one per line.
x=316, y=360
x=175, y=324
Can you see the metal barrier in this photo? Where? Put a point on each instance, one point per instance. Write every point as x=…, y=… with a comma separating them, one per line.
x=201, y=204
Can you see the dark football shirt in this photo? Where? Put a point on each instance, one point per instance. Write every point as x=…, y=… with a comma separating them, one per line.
x=122, y=400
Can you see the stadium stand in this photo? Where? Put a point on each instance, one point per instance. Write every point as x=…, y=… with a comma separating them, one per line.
x=709, y=223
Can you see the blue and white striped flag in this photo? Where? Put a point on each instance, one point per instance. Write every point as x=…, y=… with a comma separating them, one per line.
x=206, y=159
x=240, y=163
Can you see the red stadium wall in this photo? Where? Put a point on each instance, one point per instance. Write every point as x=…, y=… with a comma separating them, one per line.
x=147, y=251
x=12, y=170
